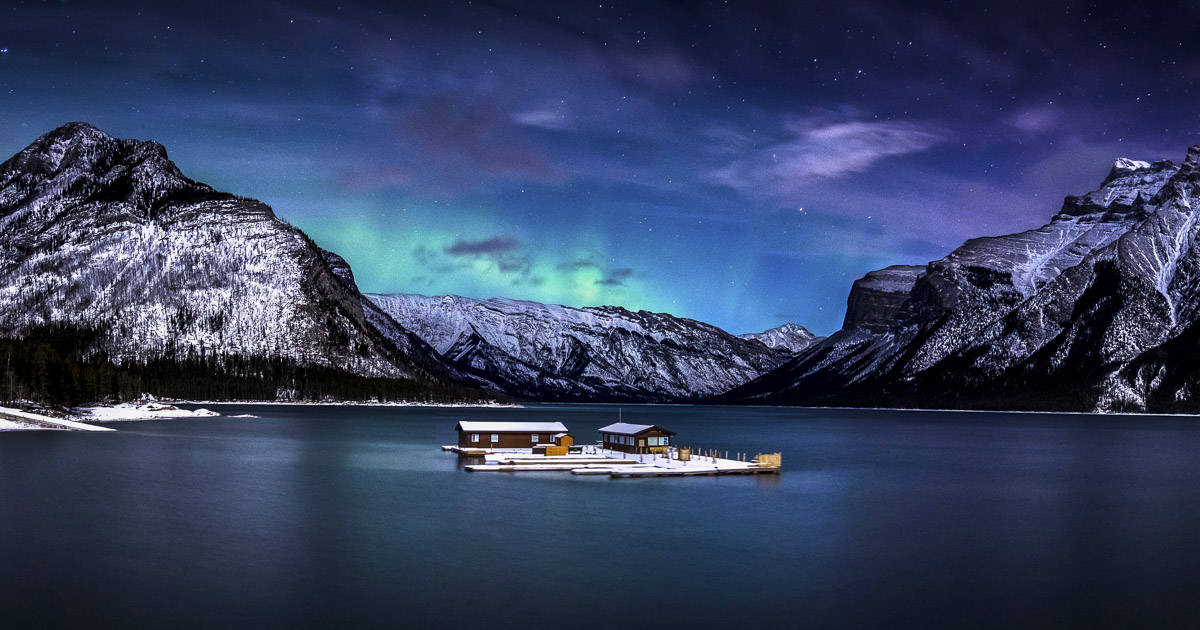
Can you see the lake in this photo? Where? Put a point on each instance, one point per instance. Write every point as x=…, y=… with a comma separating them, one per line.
x=318, y=516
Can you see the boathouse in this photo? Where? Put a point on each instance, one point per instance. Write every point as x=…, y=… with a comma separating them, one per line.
x=477, y=434
x=635, y=438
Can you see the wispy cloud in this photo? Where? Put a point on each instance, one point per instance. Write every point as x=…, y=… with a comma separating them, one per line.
x=818, y=149
x=493, y=245
x=577, y=264
x=616, y=277
x=547, y=117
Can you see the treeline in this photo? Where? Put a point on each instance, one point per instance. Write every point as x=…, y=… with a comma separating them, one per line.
x=61, y=365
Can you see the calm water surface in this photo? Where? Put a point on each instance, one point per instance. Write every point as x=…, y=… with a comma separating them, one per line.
x=328, y=516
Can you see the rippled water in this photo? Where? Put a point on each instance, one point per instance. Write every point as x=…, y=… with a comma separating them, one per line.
x=320, y=516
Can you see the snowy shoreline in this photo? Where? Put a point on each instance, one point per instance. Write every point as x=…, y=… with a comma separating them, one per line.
x=85, y=418
x=1105, y=414
x=90, y=418
x=12, y=419
x=128, y=412
x=350, y=403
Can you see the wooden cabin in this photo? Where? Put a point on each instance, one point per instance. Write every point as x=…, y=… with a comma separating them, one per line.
x=635, y=438
x=478, y=434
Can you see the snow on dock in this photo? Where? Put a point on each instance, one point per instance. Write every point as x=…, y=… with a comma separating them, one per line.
x=594, y=460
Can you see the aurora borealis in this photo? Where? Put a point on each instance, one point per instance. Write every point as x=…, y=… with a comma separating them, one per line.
x=738, y=164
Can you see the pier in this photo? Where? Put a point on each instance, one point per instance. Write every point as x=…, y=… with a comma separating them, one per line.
x=597, y=460
x=625, y=450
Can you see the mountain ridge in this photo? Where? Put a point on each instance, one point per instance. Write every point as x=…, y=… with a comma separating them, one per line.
x=582, y=353
x=107, y=234
x=1079, y=314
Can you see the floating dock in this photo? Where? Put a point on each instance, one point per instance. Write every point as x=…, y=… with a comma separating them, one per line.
x=595, y=460
x=472, y=451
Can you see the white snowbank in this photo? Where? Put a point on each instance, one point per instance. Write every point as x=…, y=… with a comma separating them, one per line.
x=140, y=411
x=9, y=425
x=359, y=403
x=39, y=421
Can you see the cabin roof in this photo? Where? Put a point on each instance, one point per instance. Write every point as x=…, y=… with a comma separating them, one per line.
x=511, y=427
x=624, y=428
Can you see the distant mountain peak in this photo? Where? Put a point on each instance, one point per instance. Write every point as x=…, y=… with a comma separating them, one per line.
x=1126, y=164
x=549, y=351
x=788, y=337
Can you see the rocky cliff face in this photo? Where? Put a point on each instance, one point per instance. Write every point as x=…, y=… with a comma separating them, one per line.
x=876, y=297
x=602, y=353
x=1095, y=310
x=108, y=234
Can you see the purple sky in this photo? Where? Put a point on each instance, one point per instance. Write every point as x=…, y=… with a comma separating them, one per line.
x=739, y=164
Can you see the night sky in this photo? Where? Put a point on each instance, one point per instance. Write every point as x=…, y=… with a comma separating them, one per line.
x=730, y=162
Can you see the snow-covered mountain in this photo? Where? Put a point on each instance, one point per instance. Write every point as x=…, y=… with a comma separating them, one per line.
x=876, y=297
x=789, y=337
x=1098, y=309
x=597, y=353
x=107, y=234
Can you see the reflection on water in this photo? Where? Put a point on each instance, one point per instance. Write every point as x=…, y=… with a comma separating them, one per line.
x=320, y=516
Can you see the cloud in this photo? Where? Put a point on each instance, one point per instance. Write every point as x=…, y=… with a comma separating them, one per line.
x=519, y=265
x=577, y=264
x=500, y=254
x=552, y=118
x=821, y=150
x=616, y=277
x=493, y=245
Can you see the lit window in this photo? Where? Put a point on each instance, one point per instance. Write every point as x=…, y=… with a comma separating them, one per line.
x=535, y=438
x=474, y=437
x=495, y=437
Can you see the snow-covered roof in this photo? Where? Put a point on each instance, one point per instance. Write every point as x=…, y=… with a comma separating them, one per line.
x=511, y=427
x=624, y=428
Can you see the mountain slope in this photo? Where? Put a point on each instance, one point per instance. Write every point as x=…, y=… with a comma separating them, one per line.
x=106, y=234
x=1095, y=310
x=789, y=337
x=599, y=353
